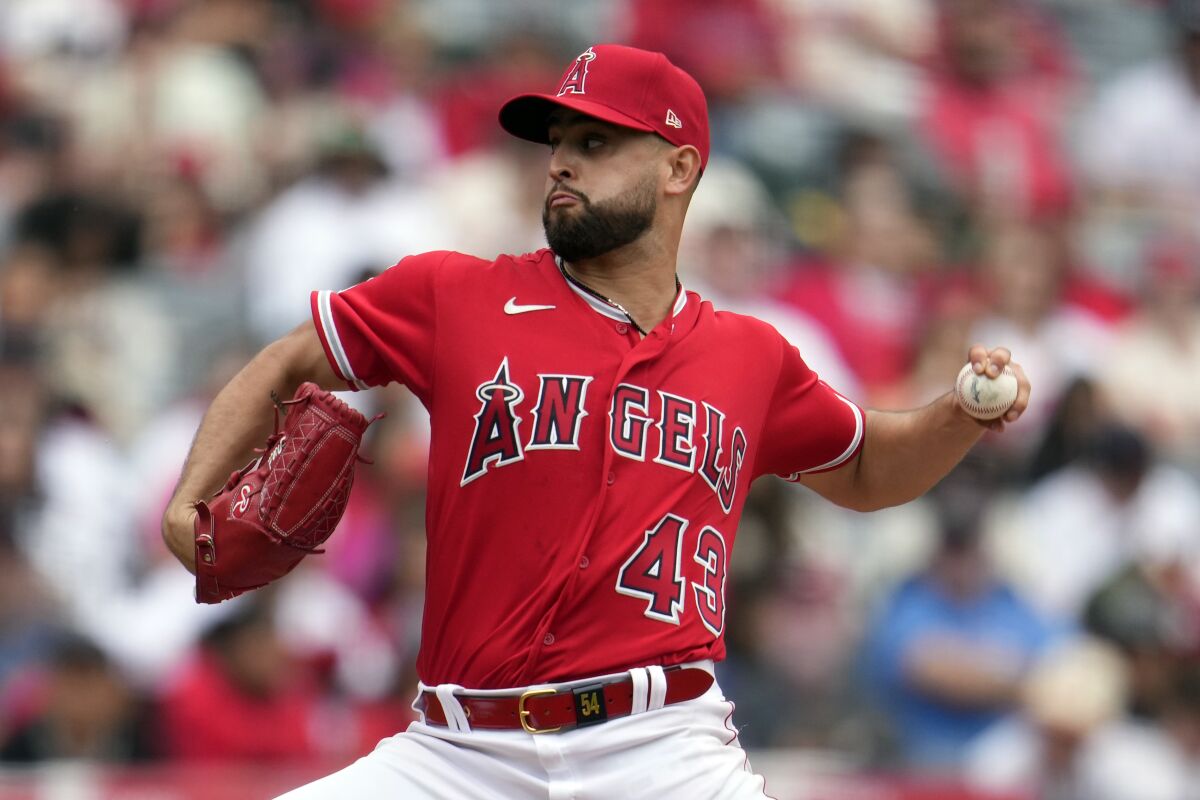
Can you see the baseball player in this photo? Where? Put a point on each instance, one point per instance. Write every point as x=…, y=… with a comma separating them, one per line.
x=595, y=429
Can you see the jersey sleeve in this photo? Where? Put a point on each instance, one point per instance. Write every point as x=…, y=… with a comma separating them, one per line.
x=809, y=426
x=383, y=329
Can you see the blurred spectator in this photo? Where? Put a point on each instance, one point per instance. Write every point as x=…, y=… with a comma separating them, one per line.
x=77, y=536
x=182, y=232
x=1071, y=740
x=330, y=230
x=732, y=256
x=1024, y=277
x=1089, y=520
x=72, y=500
x=490, y=200
x=243, y=697
x=321, y=622
x=869, y=297
x=28, y=612
x=28, y=618
x=1139, y=150
x=1152, y=374
x=87, y=712
x=31, y=160
x=791, y=632
x=22, y=410
x=1149, y=611
x=943, y=335
x=729, y=46
x=1078, y=416
x=181, y=101
x=470, y=94
x=793, y=642
x=406, y=127
x=29, y=285
x=998, y=87
x=109, y=344
x=33, y=29
x=947, y=653
x=60, y=484
x=862, y=57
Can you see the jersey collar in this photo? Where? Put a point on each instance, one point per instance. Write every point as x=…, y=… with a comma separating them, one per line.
x=607, y=308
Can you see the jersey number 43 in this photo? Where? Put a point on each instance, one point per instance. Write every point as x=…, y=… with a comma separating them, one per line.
x=654, y=573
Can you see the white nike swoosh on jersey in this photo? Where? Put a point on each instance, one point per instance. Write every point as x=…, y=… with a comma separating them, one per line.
x=511, y=307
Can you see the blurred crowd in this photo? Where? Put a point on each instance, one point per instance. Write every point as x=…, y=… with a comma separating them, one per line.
x=891, y=180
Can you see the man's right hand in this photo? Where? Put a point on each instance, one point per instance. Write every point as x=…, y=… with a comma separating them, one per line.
x=179, y=532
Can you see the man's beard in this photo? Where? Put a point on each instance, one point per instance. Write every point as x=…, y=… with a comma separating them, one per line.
x=594, y=229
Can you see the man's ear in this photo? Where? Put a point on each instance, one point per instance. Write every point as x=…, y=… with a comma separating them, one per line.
x=684, y=165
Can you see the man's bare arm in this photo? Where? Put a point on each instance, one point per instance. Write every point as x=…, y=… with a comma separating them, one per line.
x=239, y=419
x=905, y=453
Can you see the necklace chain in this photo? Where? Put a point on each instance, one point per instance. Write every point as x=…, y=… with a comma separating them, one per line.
x=562, y=267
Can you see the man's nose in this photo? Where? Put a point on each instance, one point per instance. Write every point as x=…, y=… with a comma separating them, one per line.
x=561, y=168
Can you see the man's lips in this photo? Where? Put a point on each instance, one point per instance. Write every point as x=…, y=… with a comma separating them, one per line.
x=561, y=199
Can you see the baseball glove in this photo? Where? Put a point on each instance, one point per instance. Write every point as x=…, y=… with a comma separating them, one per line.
x=285, y=503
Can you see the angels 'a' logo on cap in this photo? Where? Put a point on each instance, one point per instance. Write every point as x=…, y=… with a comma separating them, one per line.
x=673, y=120
x=574, y=82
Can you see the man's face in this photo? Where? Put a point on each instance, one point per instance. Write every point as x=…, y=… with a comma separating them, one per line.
x=981, y=38
x=602, y=190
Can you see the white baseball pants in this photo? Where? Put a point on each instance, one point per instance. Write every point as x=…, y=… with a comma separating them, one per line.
x=687, y=750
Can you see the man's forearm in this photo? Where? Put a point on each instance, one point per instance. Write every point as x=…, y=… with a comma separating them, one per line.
x=905, y=453
x=239, y=419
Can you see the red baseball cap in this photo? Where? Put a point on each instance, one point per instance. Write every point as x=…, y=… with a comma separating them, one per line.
x=637, y=89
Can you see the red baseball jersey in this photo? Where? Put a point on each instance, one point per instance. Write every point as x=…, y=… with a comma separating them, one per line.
x=585, y=483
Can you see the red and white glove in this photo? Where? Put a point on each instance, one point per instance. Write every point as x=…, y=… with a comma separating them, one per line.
x=284, y=504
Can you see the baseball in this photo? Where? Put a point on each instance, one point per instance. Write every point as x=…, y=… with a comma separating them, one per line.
x=983, y=397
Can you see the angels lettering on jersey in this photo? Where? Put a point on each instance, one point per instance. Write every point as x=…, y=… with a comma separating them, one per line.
x=672, y=431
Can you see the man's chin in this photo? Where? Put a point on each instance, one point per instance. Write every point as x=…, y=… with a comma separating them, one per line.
x=572, y=254
x=563, y=210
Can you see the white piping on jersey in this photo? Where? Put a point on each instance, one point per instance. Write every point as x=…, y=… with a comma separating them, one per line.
x=680, y=301
x=335, y=343
x=599, y=305
x=610, y=309
x=858, y=433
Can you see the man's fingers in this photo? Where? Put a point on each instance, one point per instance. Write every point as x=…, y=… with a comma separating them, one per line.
x=998, y=359
x=990, y=361
x=978, y=356
x=1023, y=389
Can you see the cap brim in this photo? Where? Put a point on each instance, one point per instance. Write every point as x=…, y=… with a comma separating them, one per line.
x=527, y=116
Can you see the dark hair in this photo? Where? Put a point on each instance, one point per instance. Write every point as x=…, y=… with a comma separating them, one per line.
x=250, y=616
x=1119, y=451
x=74, y=653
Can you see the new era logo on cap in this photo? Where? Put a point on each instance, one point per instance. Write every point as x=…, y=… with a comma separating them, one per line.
x=622, y=85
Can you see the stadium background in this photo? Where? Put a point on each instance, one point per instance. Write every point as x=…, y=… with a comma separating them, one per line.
x=891, y=180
